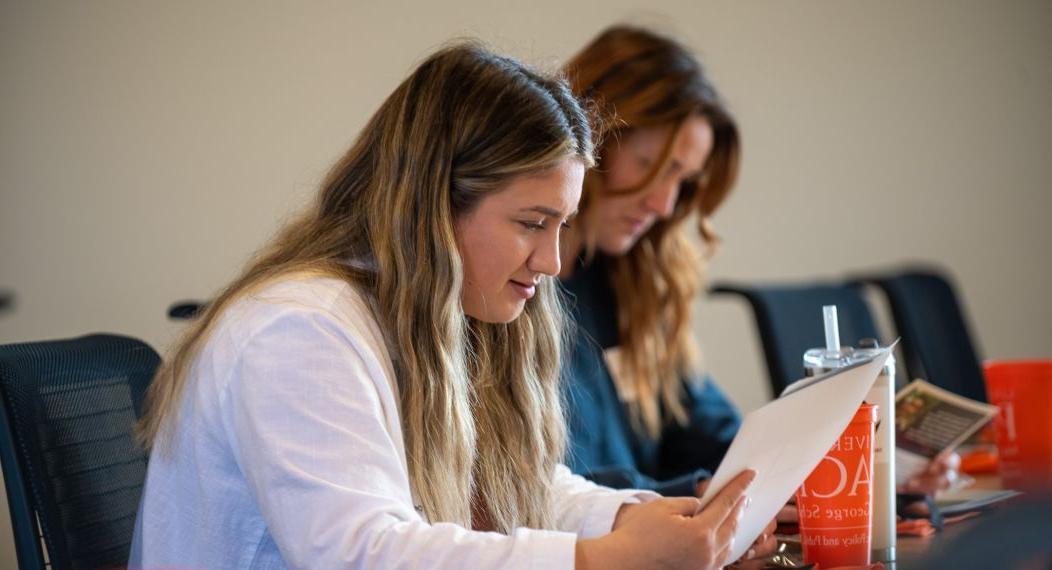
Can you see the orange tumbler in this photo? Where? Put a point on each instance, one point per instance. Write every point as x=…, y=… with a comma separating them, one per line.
x=1023, y=391
x=836, y=499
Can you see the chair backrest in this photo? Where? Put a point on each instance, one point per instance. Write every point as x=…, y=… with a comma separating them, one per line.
x=185, y=310
x=936, y=342
x=67, y=443
x=789, y=321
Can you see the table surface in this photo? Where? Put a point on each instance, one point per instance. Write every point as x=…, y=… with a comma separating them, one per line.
x=912, y=552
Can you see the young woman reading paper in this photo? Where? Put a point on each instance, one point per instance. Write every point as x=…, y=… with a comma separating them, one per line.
x=380, y=387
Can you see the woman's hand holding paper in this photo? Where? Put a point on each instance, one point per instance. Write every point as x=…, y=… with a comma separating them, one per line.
x=672, y=532
x=766, y=543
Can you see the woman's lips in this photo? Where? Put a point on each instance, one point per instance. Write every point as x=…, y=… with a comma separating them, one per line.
x=635, y=224
x=526, y=291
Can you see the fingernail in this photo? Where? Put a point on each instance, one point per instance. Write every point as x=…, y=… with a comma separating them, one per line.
x=751, y=553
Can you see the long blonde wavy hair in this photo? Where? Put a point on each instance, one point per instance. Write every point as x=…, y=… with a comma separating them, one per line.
x=639, y=79
x=480, y=402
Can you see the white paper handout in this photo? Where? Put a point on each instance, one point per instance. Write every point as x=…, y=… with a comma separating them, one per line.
x=784, y=440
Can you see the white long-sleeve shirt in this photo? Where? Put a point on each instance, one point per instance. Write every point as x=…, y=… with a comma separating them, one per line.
x=287, y=451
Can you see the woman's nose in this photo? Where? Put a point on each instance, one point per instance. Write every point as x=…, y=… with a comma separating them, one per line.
x=661, y=200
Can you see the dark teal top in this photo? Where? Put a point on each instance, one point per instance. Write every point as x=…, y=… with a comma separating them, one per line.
x=603, y=446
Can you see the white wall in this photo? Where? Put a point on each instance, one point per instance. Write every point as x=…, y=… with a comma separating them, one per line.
x=146, y=149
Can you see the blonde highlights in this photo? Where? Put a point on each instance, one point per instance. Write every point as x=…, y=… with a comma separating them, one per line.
x=479, y=402
x=640, y=79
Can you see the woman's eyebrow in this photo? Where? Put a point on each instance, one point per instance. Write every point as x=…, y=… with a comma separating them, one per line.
x=550, y=212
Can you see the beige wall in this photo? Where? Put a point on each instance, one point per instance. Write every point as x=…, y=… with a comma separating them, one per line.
x=146, y=150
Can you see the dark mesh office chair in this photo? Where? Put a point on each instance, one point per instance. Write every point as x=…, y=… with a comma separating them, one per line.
x=789, y=321
x=67, y=446
x=936, y=342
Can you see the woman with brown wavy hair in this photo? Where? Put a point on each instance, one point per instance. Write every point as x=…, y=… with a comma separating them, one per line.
x=380, y=387
x=642, y=413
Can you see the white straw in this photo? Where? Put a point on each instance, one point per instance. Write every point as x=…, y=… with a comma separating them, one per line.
x=832, y=329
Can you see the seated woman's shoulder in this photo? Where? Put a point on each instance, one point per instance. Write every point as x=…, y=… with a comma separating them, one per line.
x=325, y=302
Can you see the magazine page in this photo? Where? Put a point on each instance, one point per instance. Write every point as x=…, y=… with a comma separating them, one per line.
x=929, y=421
